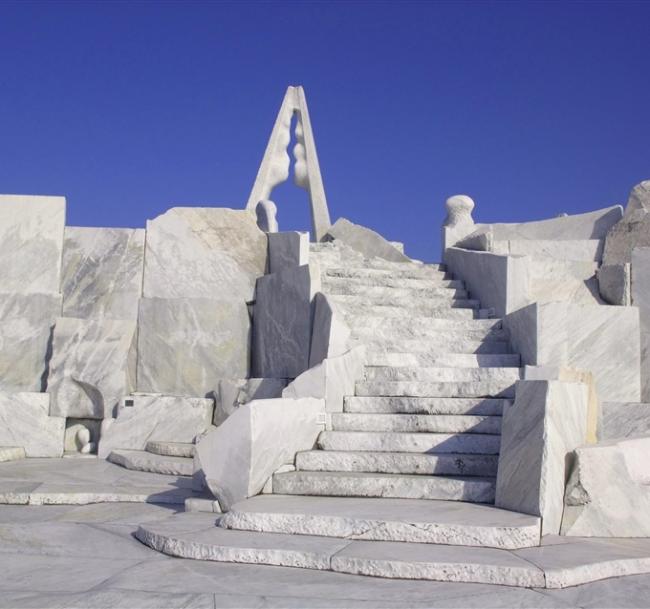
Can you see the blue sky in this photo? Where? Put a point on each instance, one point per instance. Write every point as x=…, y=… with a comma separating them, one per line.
x=129, y=108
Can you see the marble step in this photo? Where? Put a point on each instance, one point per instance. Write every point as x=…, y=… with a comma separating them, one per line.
x=171, y=449
x=334, y=284
x=409, y=304
x=448, y=360
x=402, y=486
x=444, y=464
x=433, y=346
x=558, y=562
x=377, y=519
x=144, y=461
x=424, y=389
x=413, y=423
x=417, y=323
x=434, y=334
x=396, y=295
x=11, y=453
x=353, y=311
x=440, y=374
x=427, y=405
x=379, y=274
x=401, y=442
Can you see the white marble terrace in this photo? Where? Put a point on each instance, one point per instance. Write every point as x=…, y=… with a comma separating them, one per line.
x=302, y=412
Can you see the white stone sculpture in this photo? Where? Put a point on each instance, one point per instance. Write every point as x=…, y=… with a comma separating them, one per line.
x=275, y=165
x=266, y=212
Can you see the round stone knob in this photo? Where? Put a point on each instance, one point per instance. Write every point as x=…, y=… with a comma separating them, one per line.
x=459, y=210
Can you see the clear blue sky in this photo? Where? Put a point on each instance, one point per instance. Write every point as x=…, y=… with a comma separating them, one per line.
x=129, y=108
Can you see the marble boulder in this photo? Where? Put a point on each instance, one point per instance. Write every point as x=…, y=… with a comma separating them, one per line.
x=608, y=493
x=26, y=322
x=232, y=393
x=238, y=457
x=547, y=421
x=203, y=252
x=92, y=366
x=31, y=243
x=185, y=345
x=364, y=240
x=102, y=272
x=155, y=418
x=25, y=421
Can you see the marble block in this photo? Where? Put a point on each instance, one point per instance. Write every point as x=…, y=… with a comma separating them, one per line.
x=366, y=241
x=155, y=418
x=330, y=333
x=25, y=421
x=185, y=345
x=238, y=457
x=26, y=322
x=287, y=250
x=623, y=420
x=102, y=272
x=232, y=393
x=546, y=422
x=641, y=299
x=92, y=366
x=633, y=230
x=330, y=380
x=282, y=322
x=577, y=227
x=203, y=252
x=608, y=494
x=614, y=283
x=31, y=242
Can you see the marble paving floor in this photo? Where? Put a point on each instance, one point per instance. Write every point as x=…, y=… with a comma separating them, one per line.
x=67, y=556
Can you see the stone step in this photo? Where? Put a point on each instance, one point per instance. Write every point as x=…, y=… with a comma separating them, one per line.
x=424, y=389
x=427, y=333
x=171, y=449
x=420, y=442
x=143, y=461
x=355, y=311
x=423, y=323
x=398, y=463
x=559, y=562
x=377, y=519
x=431, y=423
x=411, y=405
x=438, y=345
x=379, y=274
x=339, y=285
x=402, y=486
x=452, y=360
x=417, y=300
x=440, y=374
x=11, y=453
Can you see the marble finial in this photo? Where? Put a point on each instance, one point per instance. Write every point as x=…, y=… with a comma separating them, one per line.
x=459, y=210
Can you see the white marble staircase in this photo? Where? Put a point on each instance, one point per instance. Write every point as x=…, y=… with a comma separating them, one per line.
x=425, y=421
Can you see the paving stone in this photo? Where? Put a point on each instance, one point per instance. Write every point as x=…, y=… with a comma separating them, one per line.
x=144, y=461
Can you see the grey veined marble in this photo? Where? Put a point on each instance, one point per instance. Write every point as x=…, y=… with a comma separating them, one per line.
x=185, y=345
x=203, y=252
x=31, y=241
x=26, y=322
x=102, y=272
x=92, y=367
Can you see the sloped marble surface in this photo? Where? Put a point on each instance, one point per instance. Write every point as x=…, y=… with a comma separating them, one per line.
x=185, y=345
x=26, y=322
x=155, y=418
x=203, y=252
x=92, y=366
x=102, y=272
x=25, y=421
x=31, y=242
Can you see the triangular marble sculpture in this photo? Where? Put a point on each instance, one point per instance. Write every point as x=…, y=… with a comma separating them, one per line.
x=274, y=168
